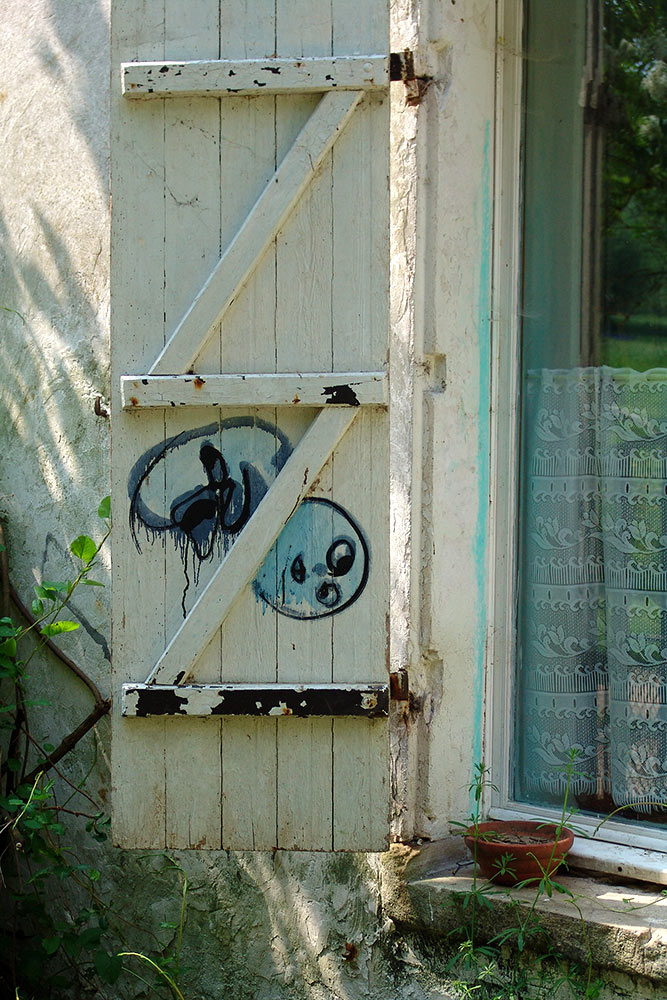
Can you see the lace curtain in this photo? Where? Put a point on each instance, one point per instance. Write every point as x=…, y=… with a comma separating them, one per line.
x=593, y=615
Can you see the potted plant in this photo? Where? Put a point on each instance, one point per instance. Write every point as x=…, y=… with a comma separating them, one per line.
x=511, y=851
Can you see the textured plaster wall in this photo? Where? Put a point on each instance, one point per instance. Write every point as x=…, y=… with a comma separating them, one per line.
x=54, y=294
x=261, y=926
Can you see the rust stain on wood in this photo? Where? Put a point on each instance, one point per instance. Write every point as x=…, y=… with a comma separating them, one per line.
x=199, y=382
x=134, y=400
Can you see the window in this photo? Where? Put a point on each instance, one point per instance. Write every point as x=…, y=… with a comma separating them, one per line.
x=586, y=622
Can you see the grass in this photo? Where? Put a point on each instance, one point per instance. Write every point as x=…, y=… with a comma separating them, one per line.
x=640, y=342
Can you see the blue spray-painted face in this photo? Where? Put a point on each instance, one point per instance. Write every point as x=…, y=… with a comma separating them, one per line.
x=319, y=564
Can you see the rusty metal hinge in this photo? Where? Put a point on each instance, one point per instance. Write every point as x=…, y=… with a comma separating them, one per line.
x=402, y=67
x=399, y=688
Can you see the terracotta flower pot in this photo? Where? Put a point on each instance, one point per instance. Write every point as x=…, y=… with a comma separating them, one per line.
x=531, y=844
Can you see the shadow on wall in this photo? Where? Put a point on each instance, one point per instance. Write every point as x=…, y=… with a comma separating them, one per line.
x=54, y=289
x=271, y=926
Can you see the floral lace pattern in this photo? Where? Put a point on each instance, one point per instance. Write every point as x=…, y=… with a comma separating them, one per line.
x=592, y=671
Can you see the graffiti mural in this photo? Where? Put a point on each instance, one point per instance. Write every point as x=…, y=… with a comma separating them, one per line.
x=202, y=486
x=318, y=565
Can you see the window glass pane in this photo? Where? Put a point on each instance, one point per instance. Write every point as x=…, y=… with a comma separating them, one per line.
x=592, y=609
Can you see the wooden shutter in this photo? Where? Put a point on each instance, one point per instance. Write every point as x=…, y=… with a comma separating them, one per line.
x=250, y=431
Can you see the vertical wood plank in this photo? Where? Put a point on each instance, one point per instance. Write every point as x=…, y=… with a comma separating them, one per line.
x=192, y=247
x=360, y=194
x=137, y=330
x=303, y=341
x=248, y=344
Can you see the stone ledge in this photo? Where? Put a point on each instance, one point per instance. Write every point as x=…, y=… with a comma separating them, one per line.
x=621, y=928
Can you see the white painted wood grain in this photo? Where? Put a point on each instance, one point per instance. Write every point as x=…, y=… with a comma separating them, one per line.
x=246, y=555
x=314, y=277
x=273, y=207
x=289, y=389
x=192, y=247
x=303, y=341
x=360, y=323
x=248, y=161
x=137, y=325
x=253, y=77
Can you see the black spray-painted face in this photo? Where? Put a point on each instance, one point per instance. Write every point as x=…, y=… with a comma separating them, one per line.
x=319, y=564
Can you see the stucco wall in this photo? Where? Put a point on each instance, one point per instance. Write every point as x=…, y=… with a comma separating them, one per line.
x=258, y=925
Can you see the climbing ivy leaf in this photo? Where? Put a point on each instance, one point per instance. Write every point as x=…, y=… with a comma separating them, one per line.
x=83, y=548
x=56, y=628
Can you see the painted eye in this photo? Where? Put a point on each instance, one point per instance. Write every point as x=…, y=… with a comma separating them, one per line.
x=328, y=594
x=340, y=557
x=298, y=570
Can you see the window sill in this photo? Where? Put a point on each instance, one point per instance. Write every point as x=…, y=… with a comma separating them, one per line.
x=625, y=926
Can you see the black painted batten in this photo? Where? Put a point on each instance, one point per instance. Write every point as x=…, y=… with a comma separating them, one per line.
x=329, y=700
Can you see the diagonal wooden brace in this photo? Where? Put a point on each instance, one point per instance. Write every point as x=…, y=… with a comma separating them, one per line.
x=269, y=213
x=249, y=550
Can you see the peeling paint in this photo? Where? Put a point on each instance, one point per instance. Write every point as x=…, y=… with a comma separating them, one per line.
x=483, y=444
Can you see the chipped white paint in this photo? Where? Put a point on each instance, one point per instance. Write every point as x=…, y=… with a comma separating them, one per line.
x=293, y=389
x=300, y=286
x=330, y=700
x=253, y=77
x=442, y=157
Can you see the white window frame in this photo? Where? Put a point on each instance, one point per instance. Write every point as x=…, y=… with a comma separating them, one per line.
x=639, y=853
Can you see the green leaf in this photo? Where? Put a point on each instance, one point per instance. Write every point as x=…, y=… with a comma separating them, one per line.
x=72, y=945
x=57, y=628
x=8, y=647
x=13, y=764
x=104, y=509
x=109, y=967
x=7, y=629
x=83, y=548
x=58, y=585
x=92, y=583
x=37, y=608
x=90, y=937
x=43, y=593
x=51, y=945
x=35, y=823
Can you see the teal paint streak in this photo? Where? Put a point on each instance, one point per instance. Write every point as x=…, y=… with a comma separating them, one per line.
x=479, y=546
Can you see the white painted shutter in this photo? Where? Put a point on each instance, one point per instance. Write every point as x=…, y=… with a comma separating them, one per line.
x=250, y=431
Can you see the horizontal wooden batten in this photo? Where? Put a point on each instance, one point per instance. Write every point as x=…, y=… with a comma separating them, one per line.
x=248, y=77
x=293, y=389
x=272, y=700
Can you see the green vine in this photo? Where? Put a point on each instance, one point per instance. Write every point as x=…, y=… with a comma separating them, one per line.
x=58, y=930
